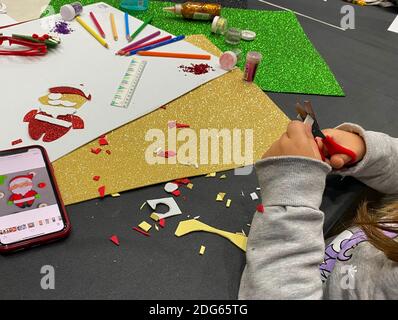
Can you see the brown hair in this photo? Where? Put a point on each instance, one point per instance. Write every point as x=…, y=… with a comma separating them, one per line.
x=373, y=221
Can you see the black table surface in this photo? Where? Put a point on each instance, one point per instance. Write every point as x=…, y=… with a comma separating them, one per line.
x=88, y=266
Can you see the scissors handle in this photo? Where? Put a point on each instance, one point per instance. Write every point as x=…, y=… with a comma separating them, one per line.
x=334, y=148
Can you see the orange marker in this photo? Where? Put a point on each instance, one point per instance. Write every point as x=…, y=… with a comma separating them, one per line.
x=174, y=55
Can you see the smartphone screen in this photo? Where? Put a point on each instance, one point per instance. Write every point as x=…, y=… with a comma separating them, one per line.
x=28, y=203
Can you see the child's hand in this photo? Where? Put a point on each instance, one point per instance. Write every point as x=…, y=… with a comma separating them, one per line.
x=296, y=141
x=346, y=139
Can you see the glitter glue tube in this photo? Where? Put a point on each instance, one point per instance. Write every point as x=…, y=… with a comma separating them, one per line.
x=70, y=11
x=253, y=59
x=196, y=10
x=229, y=59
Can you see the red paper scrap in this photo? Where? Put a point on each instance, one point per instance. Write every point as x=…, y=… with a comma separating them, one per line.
x=182, y=181
x=101, y=191
x=41, y=185
x=108, y=151
x=115, y=240
x=96, y=178
x=103, y=141
x=141, y=231
x=96, y=150
x=176, y=193
x=162, y=223
x=15, y=142
x=260, y=208
x=167, y=154
x=182, y=125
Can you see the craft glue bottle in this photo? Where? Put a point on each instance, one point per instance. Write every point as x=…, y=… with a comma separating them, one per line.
x=196, y=10
x=253, y=59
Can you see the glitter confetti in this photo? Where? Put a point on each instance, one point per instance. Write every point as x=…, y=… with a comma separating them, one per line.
x=228, y=204
x=260, y=208
x=210, y=175
x=42, y=185
x=145, y=226
x=141, y=231
x=162, y=223
x=220, y=196
x=101, y=191
x=96, y=178
x=62, y=27
x=96, y=150
x=202, y=250
x=103, y=141
x=115, y=240
x=15, y=142
x=254, y=196
x=197, y=69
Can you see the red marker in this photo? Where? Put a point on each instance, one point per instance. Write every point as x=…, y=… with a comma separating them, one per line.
x=102, y=33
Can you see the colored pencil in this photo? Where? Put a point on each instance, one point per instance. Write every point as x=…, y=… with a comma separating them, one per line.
x=126, y=22
x=137, y=43
x=147, y=44
x=92, y=32
x=157, y=45
x=174, y=55
x=113, y=25
x=97, y=25
x=143, y=25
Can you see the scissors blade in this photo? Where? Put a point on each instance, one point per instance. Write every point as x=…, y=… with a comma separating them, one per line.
x=316, y=131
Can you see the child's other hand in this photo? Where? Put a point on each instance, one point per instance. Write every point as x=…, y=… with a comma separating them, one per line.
x=296, y=141
x=346, y=139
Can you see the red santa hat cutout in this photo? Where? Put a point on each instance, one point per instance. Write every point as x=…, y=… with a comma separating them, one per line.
x=78, y=90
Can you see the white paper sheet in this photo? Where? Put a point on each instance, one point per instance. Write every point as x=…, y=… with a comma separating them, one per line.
x=80, y=59
x=394, y=25
x=5, y=20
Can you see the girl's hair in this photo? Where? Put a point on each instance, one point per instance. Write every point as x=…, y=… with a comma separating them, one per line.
x=373, y=221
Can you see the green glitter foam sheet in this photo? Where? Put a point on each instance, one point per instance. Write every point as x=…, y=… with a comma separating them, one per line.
x=290, y=62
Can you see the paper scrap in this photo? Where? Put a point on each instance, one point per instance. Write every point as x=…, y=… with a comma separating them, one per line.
x=190, y=186
x=156, y=227
x=254, y=196
x=143, y=205
x=96, y=178
x=260, y=208
x=223, y=176
x=211, y=175
x=170, y=202
x=228, y=204
x=108, y=151
x=188, y=226
x=202, y=250
x=170, y=187
x=15, y=142
x=102, y=141
x=220, y=196
x=96, y=150
x=162, y=223
x=176, y=193
x=145, y=226
x=141, y=231
x=101, y=191
x=115, y=195
x=154, y=216
x=115, y=240
x=394, y=25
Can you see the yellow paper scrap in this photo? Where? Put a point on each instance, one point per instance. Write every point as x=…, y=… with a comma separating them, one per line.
x=143, y=205
x=156, y=227
x=154, y=216
x=228, y=204
x=223, y=176
x=145, y=226
x=211, y=175
x=202, y=250
x=192, y=225
x=115, y=195
x=190, y=186
x=220, y=196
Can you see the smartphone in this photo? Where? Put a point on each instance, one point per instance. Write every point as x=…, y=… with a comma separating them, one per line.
x=31, y=208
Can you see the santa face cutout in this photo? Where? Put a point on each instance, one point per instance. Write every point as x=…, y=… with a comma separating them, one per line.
x=23, y=195
x=57, y=115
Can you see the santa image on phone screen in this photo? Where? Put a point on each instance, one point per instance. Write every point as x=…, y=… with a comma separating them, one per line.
x=23, y=195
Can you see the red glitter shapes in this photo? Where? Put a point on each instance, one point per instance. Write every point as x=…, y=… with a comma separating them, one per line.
x=96, y=178
x=15, y=142
x=182, y=181
x=196, y=69
x=42, y=185
x=176, y=193
x=115, y=240
x=101, y=191
x=260, y=208
x=141, y=231
x=102, y=141
x=162, y=223
x=96, y=150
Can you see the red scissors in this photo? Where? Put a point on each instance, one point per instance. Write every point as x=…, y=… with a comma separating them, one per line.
x=32, y=48
x=307, y=115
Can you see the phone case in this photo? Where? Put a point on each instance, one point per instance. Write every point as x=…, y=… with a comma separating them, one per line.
x=49, y=237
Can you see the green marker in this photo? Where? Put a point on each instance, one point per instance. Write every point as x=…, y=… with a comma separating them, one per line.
x=144, y=24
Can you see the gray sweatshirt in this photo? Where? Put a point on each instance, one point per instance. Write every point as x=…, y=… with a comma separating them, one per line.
x=287, y=257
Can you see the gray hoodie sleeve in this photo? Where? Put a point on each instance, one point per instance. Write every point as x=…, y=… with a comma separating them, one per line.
x=286, y=245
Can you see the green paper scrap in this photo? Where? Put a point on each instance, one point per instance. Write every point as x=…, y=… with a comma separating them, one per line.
x=290, y=63
x=2, y=179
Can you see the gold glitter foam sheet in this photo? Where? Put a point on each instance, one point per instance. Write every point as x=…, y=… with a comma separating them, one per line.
x=224, y=103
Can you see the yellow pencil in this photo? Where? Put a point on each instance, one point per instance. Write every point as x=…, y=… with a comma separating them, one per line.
x=113, y=24
x=92, y=32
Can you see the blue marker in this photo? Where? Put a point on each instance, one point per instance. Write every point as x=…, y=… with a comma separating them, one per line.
x=126, y=21
x=160, y=44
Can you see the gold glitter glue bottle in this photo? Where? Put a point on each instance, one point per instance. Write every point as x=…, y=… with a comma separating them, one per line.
x=196, y=10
